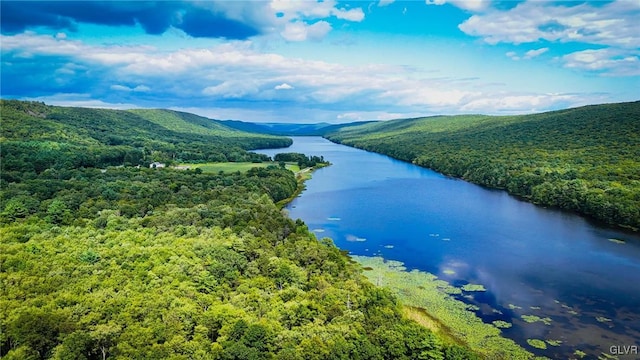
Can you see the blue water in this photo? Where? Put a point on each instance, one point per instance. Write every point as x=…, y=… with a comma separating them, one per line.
x=531, y=260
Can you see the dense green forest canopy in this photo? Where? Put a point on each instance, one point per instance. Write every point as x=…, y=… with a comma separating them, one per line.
x=126, y=262
x=585, y=159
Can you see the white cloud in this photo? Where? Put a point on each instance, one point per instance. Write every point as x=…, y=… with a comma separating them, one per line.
x=301, y=31
x=535, y=53
x=385, y=2
x=513, y=55
x=120, y=88
x=139, y=88
x=613, y=24
x=232, y=89
x=283, y=86
x=519, y=103
x=355, y=15
x=527, y=55
x=610, y=61
x=307, y=20
x=471, y=5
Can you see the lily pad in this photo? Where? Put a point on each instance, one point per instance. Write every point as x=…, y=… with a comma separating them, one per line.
x=502, y=324
x=473, y=287
x=536, y=343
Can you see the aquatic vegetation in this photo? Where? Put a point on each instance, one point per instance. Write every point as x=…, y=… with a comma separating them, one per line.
x=572, y=312
x=580, y=353
x=425, y=291
x=554, y=342
x=534, y=307
x=605, y=356
x=536, y=343
x=514, y=307
x=617, y=241
x=500, y=324
x=603, y=319
x=473, y=287
x=534, y=318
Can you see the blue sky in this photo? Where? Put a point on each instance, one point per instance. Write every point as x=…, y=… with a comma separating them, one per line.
x=322, y=61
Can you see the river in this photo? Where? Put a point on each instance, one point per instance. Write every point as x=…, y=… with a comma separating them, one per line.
x=531, y=260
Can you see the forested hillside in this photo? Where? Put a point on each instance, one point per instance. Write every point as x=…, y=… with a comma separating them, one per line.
x=126, y=262
x=36, y=137
x=585, y=159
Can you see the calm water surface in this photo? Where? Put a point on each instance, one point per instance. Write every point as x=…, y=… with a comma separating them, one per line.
x=531, y=260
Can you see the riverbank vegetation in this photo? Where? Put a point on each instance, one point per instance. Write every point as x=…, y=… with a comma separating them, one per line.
x=450, y=318
x=102, y=259
x=585, y=160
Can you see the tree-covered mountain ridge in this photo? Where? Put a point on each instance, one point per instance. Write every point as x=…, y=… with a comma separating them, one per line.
x=585, y=159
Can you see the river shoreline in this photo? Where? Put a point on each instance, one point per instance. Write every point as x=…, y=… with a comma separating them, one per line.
x=534, y=263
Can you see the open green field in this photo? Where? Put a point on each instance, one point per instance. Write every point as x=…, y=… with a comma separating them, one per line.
x=235, y=166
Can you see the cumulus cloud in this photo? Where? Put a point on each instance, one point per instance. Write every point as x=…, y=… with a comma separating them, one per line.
x=301, y=31
x=613, y=24
x=513, y=55
x=356, y=14
x=608, y=61
x=535, y=53
x=283, y=86
x=527, y=55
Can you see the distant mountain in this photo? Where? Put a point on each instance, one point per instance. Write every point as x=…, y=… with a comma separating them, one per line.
x=584, y=159
x=286, y=129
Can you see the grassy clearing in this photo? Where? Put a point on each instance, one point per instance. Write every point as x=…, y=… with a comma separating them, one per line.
x=440, y=312
x=229, y=167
